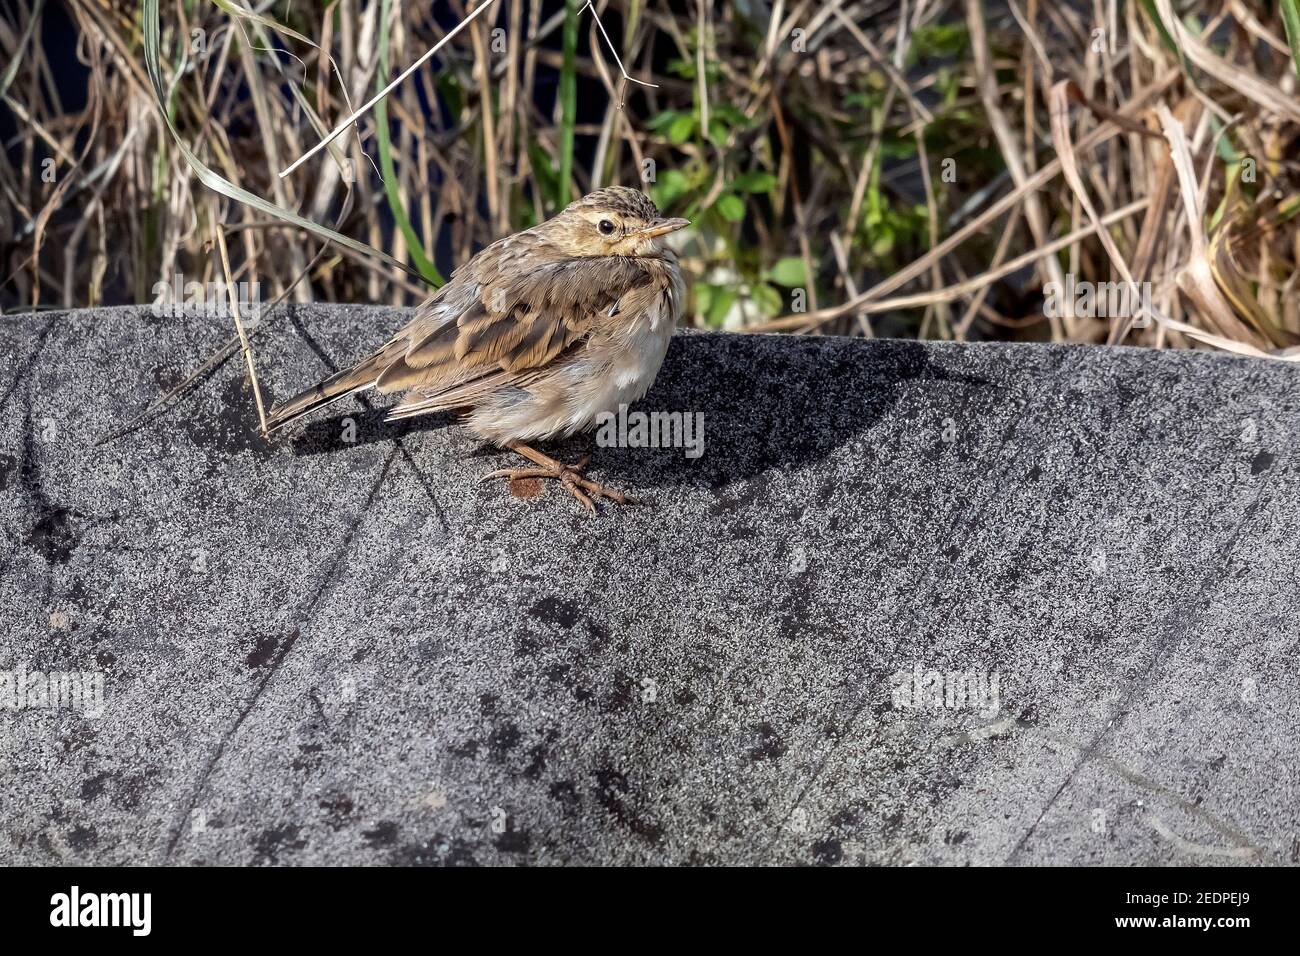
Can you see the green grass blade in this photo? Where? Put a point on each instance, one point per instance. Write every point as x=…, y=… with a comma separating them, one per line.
x=568, y=101
x=633, y=18
x=1291, y=20
x=218, y=183
x=415, y=248
x=1167, y=35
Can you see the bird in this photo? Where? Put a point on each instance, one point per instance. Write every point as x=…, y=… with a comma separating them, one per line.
x=535, y=336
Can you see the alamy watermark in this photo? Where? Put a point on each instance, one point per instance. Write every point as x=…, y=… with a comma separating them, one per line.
x=1098, y=300
x=625, y=429
x=921, y=689
x=82, y=691
x=174, y=299
x=75, y=908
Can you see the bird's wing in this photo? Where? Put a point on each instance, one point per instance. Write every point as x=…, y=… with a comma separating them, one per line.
x=510, y=324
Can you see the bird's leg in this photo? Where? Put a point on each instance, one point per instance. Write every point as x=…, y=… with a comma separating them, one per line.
x=570, y=476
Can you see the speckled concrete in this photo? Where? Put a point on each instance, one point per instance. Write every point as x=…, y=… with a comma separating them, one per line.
x=330, y=651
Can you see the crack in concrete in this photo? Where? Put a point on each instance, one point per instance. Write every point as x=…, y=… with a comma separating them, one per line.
x=1245, y=847
x=309, y=606
x=301, y=617
x=1177, y=629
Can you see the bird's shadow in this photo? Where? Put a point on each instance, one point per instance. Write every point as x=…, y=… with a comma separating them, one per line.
x=763, y=402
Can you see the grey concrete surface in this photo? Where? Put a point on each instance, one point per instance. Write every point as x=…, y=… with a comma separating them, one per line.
x=332, y=651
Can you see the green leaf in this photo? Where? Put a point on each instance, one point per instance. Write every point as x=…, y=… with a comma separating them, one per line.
x=866, y=101
x=724, y=297
x=882, y=240
x=729, y=114
x=1224, y=146
x=1287, y=209
x=449, y=86
x=788, y=272
x=938, y=39
x=758, y=181
x=703, y=296
x=683, y=68
x=662, y=120
x=731, y=207
x=680, y=129
x=669, y=185
x=767, y=299
x=713, y=301
x=948, y=84
x=892, y=148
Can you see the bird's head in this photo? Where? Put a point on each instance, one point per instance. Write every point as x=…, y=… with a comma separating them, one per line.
x=614, y=221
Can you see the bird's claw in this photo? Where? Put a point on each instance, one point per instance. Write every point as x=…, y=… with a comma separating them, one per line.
x=570, y=476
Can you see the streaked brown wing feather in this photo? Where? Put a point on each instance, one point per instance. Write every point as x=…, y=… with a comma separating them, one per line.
x=522, y=321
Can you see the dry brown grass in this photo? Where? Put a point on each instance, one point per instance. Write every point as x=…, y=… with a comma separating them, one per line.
x=921, y=168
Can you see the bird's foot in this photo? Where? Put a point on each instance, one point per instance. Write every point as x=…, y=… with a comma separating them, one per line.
x=570, y=476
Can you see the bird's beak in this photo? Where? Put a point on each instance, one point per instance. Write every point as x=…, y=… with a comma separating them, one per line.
x=661, y=227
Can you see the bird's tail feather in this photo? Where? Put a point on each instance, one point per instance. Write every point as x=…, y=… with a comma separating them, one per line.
x=358, y=378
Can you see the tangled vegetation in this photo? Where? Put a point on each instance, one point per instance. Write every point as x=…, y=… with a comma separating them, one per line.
x=926, y=168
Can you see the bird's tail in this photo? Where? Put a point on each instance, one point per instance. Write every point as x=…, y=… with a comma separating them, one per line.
x=358, y=378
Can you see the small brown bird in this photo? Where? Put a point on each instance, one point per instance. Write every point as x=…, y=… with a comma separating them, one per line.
x=536, y=335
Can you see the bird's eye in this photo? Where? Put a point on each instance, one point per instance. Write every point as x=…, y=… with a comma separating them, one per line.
x=606, y=227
